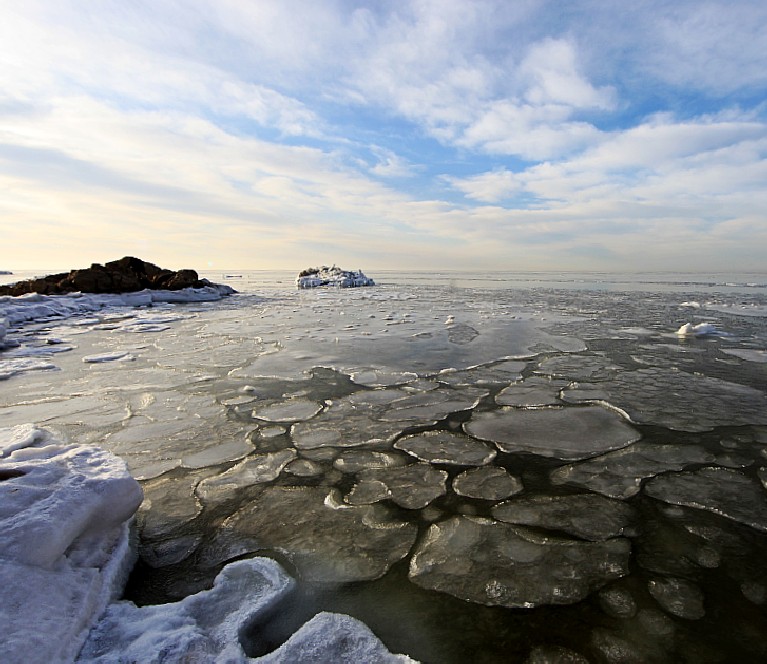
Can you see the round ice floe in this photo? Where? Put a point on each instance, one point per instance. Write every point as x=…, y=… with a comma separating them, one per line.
x=367, y=492
x=678, y=597
x=562, y=433
x=382, y=377
x=411, y=487
x=292, y=410
x=115, y=356
x=617, y=602
x=495, y=563
x=353, y=461
x=325, y=543
x=619, y=474
x=446, y=447
x=304, y=468
x=231, y=450
x=256, y=469
x=487, y=483
x=719, y=490
x=589, y=517
x=689, y=402
x=531, y=394
x=577, y=367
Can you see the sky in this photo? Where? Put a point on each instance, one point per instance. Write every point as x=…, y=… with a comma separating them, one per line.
x=518, y=135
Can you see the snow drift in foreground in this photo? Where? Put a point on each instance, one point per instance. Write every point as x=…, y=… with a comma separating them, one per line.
x=65, y=554
x=15, y=311
x=65, y=514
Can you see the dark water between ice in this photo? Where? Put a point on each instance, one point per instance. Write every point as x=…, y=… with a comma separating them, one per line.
x=279, y=422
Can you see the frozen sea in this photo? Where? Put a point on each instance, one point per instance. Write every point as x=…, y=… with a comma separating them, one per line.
x=491, y=467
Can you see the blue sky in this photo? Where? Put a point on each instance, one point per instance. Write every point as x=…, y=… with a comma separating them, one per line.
x=506, y=135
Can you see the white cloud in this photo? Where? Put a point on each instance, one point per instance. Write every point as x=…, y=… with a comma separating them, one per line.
x=491, y=187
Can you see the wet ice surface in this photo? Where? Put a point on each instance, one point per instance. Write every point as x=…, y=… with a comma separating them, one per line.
x=469, y=439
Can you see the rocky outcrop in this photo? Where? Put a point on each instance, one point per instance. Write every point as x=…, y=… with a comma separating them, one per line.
x=315, y=277
x=122, y=276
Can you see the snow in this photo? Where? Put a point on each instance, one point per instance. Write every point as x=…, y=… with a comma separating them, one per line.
x=64, y=514
x=35, y=307
x=699, y=330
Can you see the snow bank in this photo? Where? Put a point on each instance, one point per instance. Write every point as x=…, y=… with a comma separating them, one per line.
x=206, y=627
x=64, y=554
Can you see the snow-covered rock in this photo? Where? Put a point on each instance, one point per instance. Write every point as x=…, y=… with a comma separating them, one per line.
x=315, y=277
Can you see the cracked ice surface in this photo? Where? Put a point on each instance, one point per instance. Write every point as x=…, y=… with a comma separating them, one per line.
x=495, y=563
x=327, y=540
x=589, y=517
x=678, y=400
x=380, y=416
x=720, y=490
x=563, y=433
x=619, y=474
x=411, y=487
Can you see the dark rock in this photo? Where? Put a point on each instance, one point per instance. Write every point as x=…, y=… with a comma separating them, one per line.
x=126, y=275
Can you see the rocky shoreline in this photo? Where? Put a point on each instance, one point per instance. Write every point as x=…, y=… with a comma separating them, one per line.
x=125, y=275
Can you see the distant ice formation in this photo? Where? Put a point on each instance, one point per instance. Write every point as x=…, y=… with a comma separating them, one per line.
x=699, y=330
x=315, y=277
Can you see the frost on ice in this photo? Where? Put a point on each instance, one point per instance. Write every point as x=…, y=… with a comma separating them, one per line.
x=209, y=626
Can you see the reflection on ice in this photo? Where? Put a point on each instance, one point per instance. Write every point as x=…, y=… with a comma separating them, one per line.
x=564, y=433
x=446, y=447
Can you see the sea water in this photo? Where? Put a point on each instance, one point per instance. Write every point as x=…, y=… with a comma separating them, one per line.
x=481, y=467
